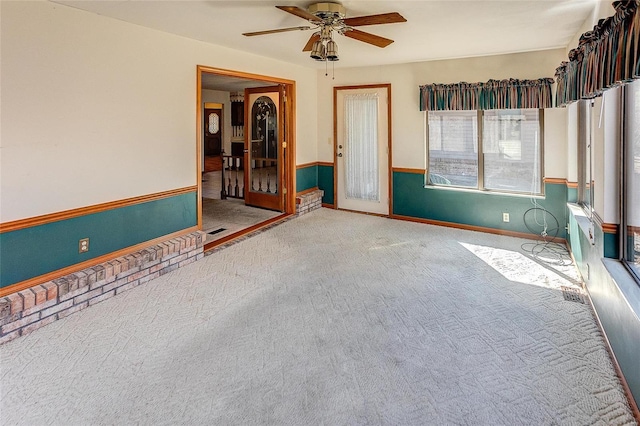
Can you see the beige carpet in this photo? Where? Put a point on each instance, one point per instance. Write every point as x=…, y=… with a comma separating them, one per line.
x=331, y=318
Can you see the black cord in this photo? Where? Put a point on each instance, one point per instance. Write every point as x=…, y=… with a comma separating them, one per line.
x=548, y=250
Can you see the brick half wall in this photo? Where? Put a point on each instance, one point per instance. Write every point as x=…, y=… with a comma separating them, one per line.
x=27, y=310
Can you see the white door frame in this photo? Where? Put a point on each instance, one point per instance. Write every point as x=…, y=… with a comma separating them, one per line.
x=388, y=170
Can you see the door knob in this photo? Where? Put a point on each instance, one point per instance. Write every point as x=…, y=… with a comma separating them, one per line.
x=339, y=154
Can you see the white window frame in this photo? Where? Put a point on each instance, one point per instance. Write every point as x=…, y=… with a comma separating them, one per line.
x=624, y=238
x=480, y=184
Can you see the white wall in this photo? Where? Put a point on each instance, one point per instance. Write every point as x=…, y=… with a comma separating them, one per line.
x=96, y=110
x=408, y=120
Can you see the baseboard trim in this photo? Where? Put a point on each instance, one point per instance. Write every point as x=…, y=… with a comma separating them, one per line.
x=475, y=228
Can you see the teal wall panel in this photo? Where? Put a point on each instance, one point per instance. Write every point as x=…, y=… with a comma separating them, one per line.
x=30, y=252
x=325, y=182
x=612, y=291
x=411, y=198
x=306, y=178
x=611, y=246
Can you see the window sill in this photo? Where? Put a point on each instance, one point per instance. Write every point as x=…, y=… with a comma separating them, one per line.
x=583, y=221
x=626, y=283
x=486, y=191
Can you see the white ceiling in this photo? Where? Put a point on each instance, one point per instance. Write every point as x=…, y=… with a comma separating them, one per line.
x=435, y=29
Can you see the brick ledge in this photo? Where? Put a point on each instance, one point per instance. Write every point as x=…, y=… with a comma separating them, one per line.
x=32, y=308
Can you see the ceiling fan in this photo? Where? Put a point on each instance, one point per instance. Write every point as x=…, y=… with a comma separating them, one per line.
x=326, y=18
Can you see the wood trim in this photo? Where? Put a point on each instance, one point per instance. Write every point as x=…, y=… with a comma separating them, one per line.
x=13, y=288
x=607, y=228
x=97, y=208
x=305, y=165
x=199, y=146
x=306, y=191
x=328, y=206
x=325, y=163
x=365, y=213
x=572, y=184
x=473, y=228
x=389, y=148
x=610, y=228
x=290, y=90
x=559, y=181
x=406, y=170
x=616, y=366
x=290, y=150
x=243, y=232
x=245, y=75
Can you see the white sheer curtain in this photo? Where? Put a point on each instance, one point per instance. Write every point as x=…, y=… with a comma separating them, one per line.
x=361, y=147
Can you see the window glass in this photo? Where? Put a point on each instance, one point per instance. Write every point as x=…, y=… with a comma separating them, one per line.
x=505, y=156
x=453, y=148
x=588, y=161
x=511, y=148
x=631, y=229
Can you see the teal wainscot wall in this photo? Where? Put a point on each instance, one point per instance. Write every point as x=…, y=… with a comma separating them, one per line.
x=37, y=250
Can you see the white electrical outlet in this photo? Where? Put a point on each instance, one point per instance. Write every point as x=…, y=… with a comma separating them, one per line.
x=505, y=217
x=83, y=245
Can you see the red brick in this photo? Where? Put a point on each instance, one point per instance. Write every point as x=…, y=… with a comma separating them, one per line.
x=178, y=259
x=40, y=307
x=36, y=325
x=87, y=296
x=63, y=286
x=102, y=297
x=16, y=303
x=57, y=308
x=41, y=294
x=5, y=307
x=100, y=272
x=83, y=279
x=72, y=310
x=28, y=298
x=52, y=290
x=8, y=328
x=187, y=261
x=8, y=337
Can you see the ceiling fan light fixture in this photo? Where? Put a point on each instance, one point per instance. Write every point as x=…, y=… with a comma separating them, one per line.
x=332, y=51
x=318, y=51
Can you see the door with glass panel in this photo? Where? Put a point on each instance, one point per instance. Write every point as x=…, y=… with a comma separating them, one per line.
x=362, y=148
x=265, y=141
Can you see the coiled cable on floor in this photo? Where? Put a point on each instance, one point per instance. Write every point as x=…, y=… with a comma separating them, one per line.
x=540, y=221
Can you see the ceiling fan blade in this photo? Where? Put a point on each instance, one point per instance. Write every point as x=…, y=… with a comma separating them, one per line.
x=309, y=45
x=368, y=38
x=281, y=30
x=301, y=13
x=384, y=18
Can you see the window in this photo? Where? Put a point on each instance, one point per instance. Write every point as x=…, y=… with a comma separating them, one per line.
x=587, y=125
x=510, y=154
x=631, y=183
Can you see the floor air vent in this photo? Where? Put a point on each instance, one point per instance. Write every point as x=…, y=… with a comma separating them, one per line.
x=573, y=295
x=217, y=231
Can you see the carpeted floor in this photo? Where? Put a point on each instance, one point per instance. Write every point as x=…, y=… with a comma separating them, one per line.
x=331, y=318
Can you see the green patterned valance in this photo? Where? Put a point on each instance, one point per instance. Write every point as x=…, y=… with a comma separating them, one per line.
x=494, y=94
x=606, y=56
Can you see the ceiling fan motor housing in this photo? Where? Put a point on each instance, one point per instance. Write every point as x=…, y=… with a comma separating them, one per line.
x=328, y=11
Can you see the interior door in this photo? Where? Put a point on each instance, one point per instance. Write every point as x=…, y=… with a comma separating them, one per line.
x=264, y=147
x=362, y=149
x=212, y=131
